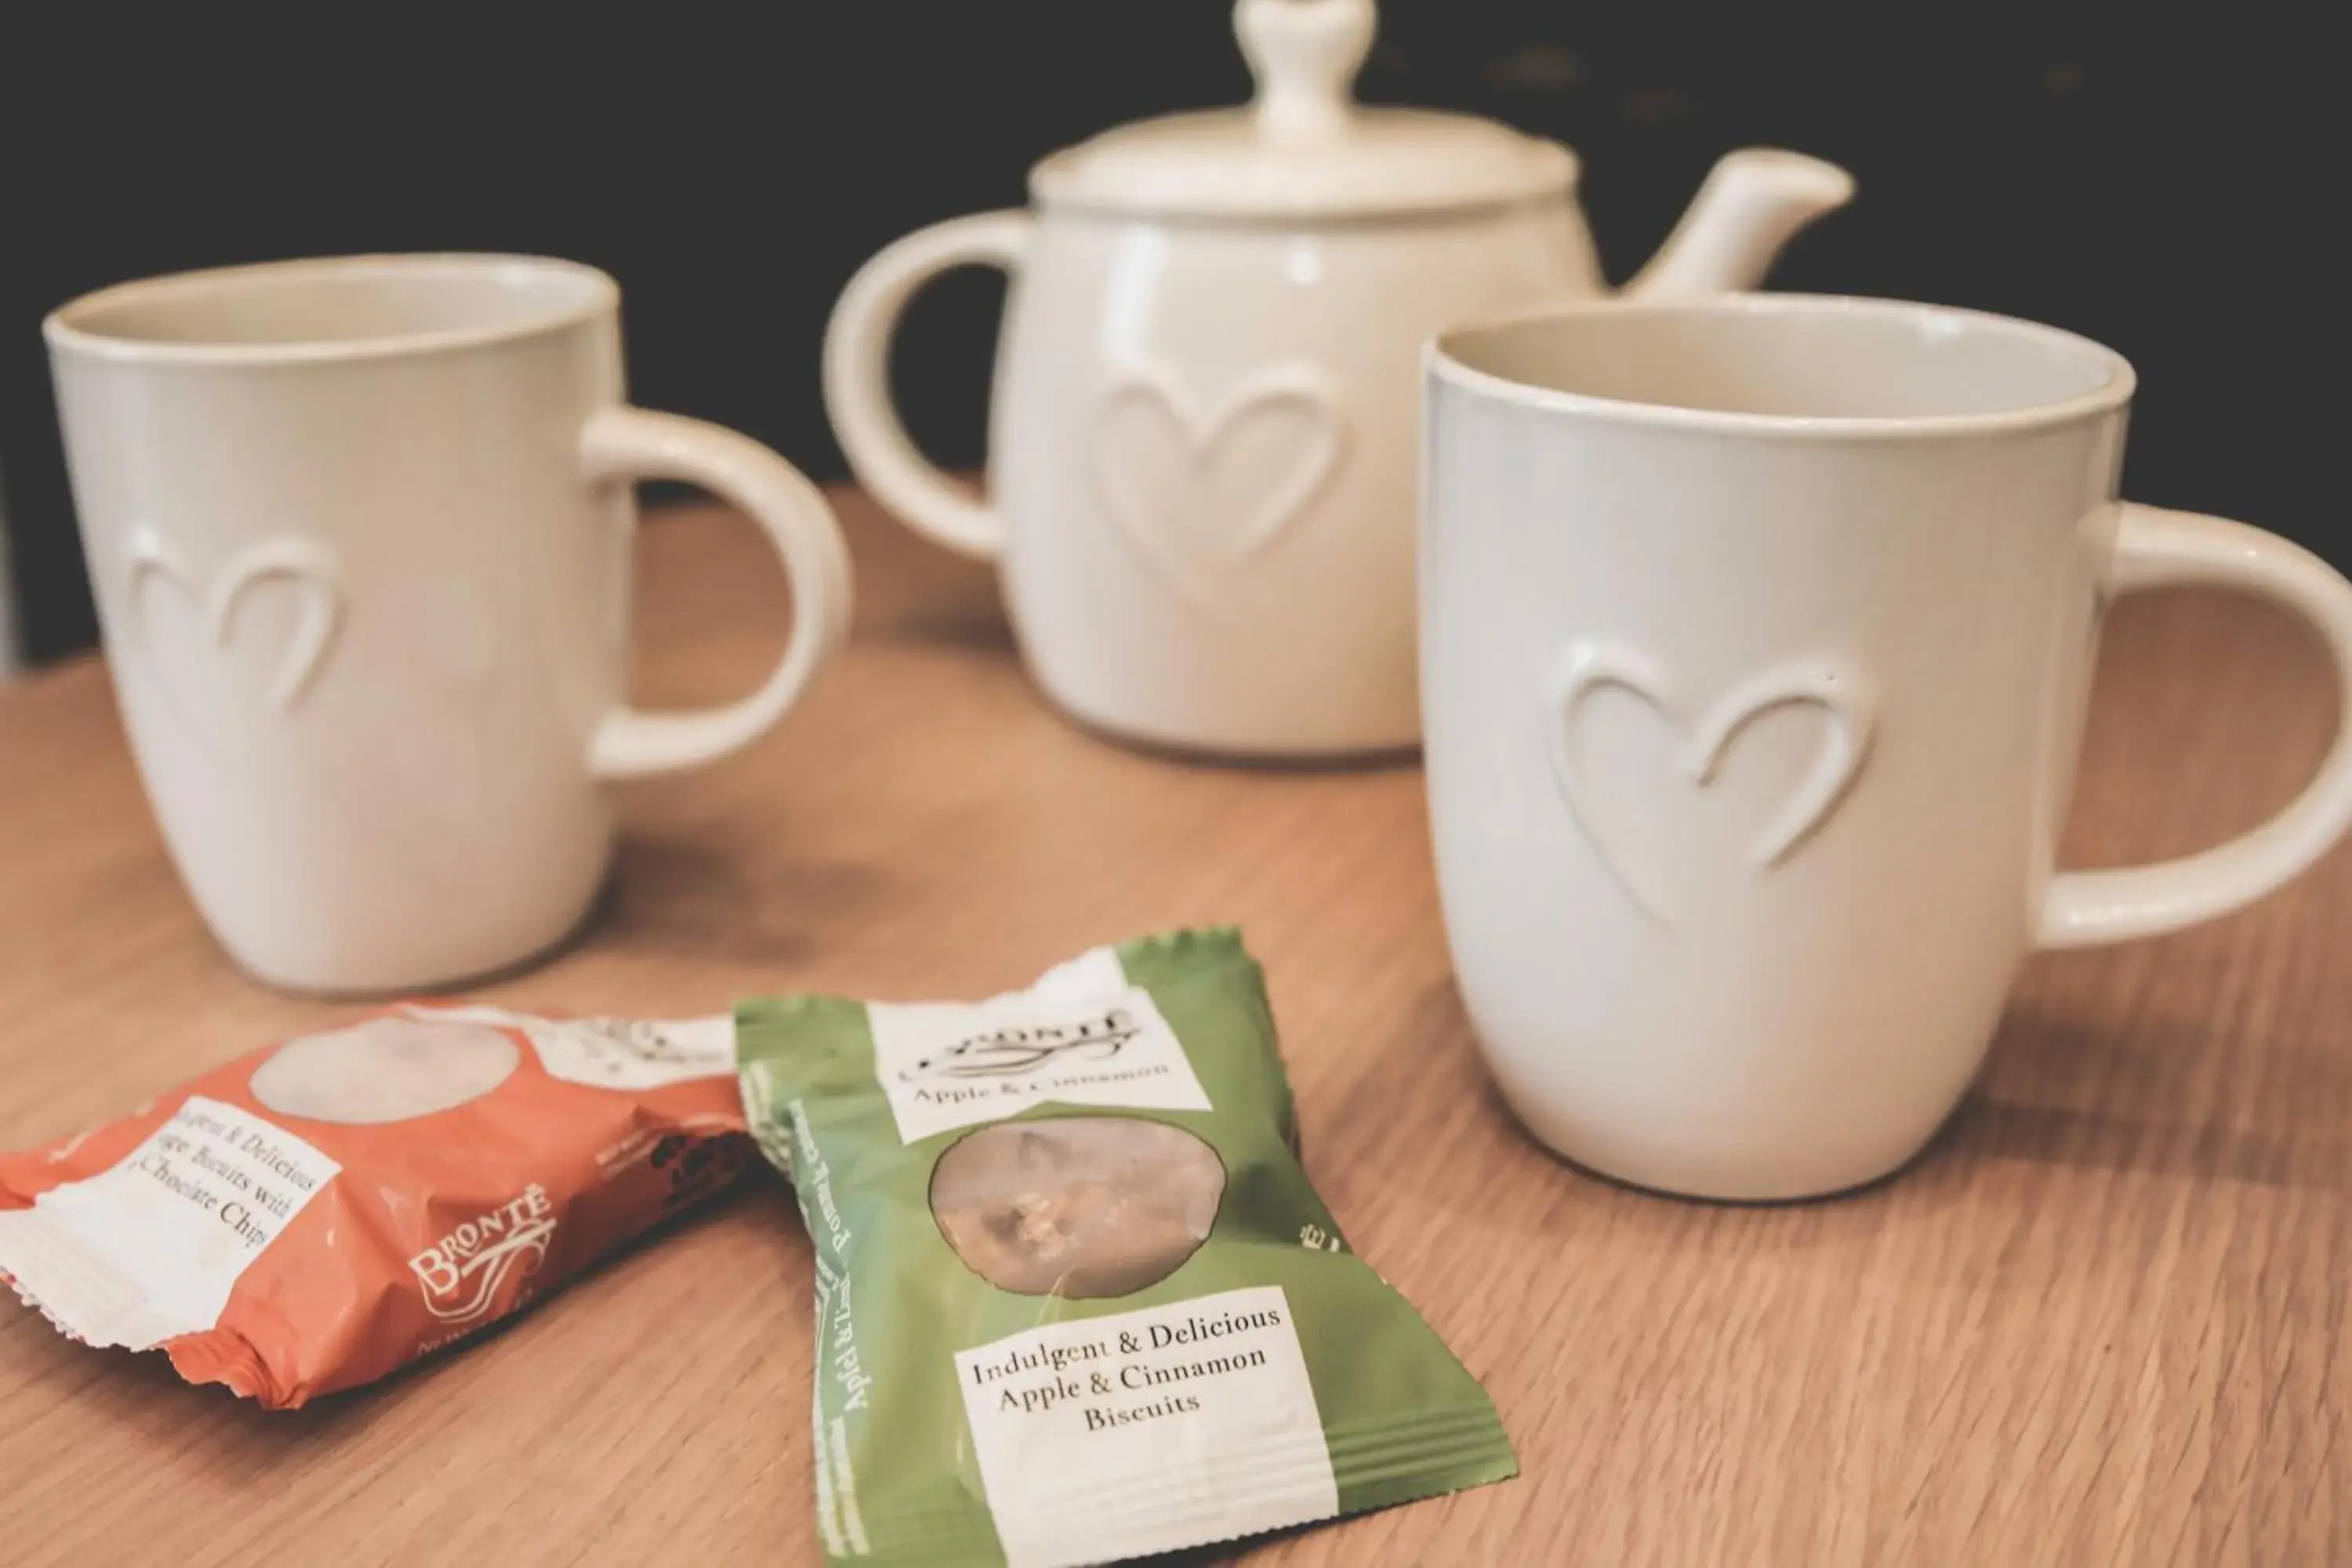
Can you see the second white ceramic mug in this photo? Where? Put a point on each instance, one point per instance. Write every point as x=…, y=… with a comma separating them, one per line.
x=1757, y=635
x=358, y=532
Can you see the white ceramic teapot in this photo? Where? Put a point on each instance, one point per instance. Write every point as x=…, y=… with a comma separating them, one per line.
x=1204, y=440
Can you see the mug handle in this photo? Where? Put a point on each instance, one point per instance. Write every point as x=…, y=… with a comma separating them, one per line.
x=621, y=444
x=2157, y=549
x=857, y=377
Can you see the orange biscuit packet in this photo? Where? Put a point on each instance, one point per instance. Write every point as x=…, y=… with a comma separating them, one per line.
x=317, y=1214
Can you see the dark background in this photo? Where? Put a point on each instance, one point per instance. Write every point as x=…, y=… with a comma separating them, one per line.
x=2157, y=177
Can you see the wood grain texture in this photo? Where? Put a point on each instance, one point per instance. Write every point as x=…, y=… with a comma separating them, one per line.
x=2103, y=1319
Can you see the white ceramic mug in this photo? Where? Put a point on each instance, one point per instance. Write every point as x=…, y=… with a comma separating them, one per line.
x=1755, y=638
x=358, y=532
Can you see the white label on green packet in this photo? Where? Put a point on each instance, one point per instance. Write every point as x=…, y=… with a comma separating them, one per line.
x=1107, y=1437
x=1081, y=1037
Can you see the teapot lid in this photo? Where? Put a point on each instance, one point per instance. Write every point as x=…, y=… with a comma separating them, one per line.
x=1304, y=147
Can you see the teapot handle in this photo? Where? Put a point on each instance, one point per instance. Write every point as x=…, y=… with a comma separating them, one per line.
x=857, y=377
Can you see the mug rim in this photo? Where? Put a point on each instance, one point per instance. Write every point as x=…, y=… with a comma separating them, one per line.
x=67, y=328
x=1440, y=362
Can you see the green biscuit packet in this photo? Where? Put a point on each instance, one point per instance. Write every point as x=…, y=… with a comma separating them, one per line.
x=1075, y=1297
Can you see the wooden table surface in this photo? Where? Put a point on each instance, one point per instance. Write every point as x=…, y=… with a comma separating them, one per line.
x=2103, y=1319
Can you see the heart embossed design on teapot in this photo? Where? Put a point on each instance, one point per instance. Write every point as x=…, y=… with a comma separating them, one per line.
x=1203, y=494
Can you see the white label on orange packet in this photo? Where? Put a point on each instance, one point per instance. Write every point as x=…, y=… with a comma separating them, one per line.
x=632, y=1054
x=151, y=1247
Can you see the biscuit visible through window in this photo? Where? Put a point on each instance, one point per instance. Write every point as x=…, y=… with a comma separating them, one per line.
x=1076, y=1206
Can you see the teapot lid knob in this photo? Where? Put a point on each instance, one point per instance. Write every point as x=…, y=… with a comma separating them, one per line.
x=1305, y=55
x=1304, y=151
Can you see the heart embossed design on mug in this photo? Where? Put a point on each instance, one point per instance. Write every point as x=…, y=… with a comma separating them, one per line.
x=1707, y=739
x=308, y=568
x=1201, y=495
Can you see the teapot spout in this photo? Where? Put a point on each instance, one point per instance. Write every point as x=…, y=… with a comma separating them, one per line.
x=1753, y=202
